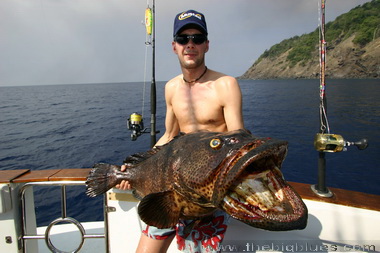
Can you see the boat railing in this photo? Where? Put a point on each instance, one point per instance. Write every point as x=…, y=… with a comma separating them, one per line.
x=63, y=219
x=19, y=209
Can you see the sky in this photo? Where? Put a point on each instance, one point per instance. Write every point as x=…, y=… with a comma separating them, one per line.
x=103, y=41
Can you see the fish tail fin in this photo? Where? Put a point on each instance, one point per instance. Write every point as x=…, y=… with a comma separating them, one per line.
x=101, y=178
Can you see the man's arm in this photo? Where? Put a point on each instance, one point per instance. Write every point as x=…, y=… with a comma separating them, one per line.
x=230, y=93
x=171, y=123
x=171, y=130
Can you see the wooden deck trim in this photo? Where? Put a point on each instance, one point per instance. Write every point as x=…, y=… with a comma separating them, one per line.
x=6, y=176
x=341, y=196
x=70, y=174
x=35, y=176
x=53, y=175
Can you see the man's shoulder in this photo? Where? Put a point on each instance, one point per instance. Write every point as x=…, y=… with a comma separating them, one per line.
x=226, y=85
x=225, y=81
x=222, y=78
x=171, y=86
x=174, y=81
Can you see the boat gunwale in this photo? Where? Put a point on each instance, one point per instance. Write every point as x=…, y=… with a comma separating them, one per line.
x=340, y=196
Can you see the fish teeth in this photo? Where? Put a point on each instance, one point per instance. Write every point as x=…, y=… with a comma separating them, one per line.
x=257, y=190
x=255, y=194
x=275, y=186
x=231, y=203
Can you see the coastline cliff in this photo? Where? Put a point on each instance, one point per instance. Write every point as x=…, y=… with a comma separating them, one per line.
x=353, y=50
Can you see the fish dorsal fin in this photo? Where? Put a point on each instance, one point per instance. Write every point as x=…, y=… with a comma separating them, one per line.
x=158, y=209
x=141, y=156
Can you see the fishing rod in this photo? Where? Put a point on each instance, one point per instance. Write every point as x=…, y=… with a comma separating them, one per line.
x=135, y=121
x=153, y=83
x=324, y=141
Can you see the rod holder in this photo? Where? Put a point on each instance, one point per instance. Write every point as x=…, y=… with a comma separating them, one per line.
x=320, y=189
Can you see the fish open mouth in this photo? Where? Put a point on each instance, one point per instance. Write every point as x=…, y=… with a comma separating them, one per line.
x=260, y=196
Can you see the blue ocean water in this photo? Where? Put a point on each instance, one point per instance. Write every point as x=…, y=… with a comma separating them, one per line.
x=75, y=126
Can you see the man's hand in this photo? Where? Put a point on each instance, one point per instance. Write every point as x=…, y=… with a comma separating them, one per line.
x=124, y=185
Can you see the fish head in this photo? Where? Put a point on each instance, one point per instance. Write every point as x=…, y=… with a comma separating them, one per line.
x=240, y=173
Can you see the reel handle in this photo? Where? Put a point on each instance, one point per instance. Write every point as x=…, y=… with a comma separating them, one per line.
x=361, y=145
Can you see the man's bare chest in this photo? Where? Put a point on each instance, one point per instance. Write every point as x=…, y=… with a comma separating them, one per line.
x=200, y=105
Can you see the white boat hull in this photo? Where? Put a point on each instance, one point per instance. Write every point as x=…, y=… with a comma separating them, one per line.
x=330, y=228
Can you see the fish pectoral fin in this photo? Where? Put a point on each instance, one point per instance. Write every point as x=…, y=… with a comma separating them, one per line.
x=159, y=209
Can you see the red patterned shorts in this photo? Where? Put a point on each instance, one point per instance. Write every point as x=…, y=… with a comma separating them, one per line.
x=206, y=236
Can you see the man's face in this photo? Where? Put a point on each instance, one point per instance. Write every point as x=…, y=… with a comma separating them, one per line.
x=190, y=55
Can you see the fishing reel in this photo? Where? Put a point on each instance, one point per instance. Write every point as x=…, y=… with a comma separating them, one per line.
x=136, y=125
x=336, y=143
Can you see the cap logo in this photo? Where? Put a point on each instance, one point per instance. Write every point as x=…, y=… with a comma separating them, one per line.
x=188, y=15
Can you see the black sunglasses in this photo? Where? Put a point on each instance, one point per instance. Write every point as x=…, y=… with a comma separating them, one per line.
x=197, y=39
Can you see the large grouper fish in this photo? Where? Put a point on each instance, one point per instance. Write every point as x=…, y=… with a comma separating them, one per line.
x=197, y=173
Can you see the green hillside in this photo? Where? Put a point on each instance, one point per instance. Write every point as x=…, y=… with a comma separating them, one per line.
x=362, y=21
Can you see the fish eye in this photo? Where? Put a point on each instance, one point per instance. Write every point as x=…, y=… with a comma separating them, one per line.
x=216, y=143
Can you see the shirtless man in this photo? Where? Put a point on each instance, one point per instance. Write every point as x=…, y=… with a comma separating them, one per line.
x=197, y=99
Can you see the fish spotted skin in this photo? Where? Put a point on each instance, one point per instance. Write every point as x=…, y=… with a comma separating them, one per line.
x=196, y=173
